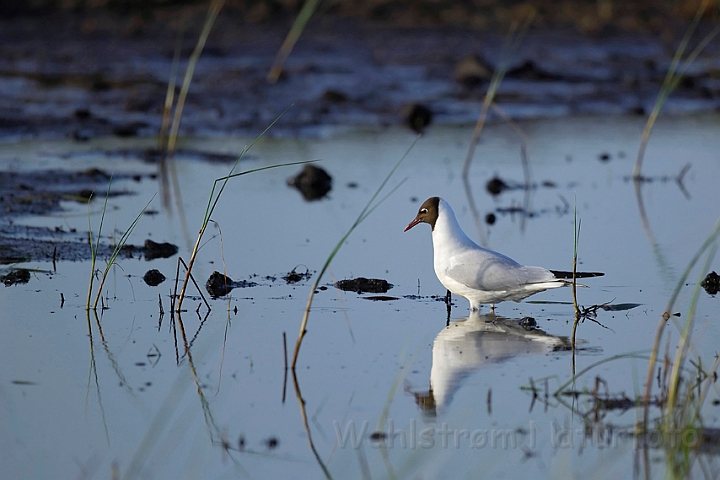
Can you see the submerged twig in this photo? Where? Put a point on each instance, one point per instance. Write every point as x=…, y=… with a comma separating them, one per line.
x=303, y=414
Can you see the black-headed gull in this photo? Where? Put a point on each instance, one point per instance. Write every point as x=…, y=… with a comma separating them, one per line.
x=476, y=273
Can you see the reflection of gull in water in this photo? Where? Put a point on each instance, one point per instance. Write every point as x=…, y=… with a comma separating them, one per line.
x=464, y=346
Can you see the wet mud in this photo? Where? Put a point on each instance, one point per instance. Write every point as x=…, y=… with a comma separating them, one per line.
x=342, y=73
x=19, y=276
x=41, y=192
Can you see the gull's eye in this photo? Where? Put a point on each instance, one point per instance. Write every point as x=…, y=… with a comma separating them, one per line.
x=423, y=210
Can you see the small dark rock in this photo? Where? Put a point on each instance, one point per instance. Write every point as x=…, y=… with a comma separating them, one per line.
x=219, y=285
x=711, y=283
x=362, y=285
x=490, y=218
x=604, y=157
x=496, y=185
x=313, y=182
x=155, y=250
x=154, y=277
x=15, y=277
x=352, y=185
x=472, y=71
x=417, y=117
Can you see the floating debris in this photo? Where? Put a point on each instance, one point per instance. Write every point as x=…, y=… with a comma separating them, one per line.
x=293, y=276
x=153, y=277
x=313, y=182
x=15, y=277
x=711, y=283
x=363, y=285
x=380, y=298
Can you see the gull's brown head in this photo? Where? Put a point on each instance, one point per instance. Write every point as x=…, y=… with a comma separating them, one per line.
x=428, y=213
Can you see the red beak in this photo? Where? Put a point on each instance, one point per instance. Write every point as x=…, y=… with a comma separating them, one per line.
x=411, y=224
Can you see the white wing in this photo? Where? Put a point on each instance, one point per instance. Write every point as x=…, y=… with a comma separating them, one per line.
x=491, y=271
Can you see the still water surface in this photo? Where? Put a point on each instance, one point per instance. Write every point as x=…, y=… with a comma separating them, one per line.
x=77, y=401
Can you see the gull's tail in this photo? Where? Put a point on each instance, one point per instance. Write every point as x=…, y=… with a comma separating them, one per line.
x=568, y=275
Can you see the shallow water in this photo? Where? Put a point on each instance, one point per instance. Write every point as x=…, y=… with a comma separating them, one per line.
x=74, y=404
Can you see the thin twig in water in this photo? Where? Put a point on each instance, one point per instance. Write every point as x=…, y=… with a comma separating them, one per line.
x=285, y=355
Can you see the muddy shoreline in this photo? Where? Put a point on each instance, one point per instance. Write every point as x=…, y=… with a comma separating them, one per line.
x=67, y=75
x=80, y=77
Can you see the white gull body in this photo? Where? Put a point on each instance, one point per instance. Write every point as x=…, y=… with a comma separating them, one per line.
x=476, y=273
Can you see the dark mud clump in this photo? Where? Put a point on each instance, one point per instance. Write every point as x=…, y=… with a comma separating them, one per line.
x=15, y=277
x=294, y=276
x=219, y=285
x=313, y=182
x=364, y=285
x=150, y=250
x=153, y=277
x=496, y=185
x=417, y=117
x=711, y=283
x=528, y=323
x=155, y=250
